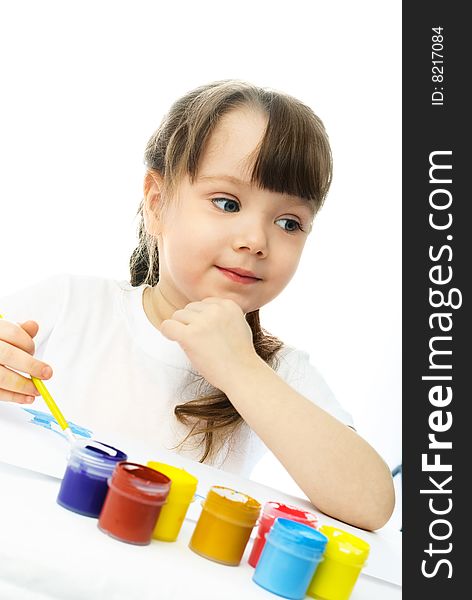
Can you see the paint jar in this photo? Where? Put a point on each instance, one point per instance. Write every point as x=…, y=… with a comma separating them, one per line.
x=290, y=556
x=224, y=526
x=84, y=486
x=345, y=555
x=134, y=501
x=182, y=489
x=270, y=512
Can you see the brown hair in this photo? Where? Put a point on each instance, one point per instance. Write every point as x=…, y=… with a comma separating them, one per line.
x=294, y=157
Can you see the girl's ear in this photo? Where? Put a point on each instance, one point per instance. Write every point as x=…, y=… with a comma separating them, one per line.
x=152, y=204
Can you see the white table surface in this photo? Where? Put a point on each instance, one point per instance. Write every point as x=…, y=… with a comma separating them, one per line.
x=47, y=552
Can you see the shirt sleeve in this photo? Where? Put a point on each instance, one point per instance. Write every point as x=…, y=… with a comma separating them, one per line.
x=296, y=369
x=42, y=302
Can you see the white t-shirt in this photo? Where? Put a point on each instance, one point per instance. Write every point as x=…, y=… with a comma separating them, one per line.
x=114, y=371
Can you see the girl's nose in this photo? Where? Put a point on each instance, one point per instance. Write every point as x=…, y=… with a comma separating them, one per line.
x=252, y=238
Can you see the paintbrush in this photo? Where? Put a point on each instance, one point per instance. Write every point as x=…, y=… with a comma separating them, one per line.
x=56, y=413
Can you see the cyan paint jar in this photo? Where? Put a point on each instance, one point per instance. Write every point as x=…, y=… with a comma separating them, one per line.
x=289, y=559
x=84, y=485
x=273, y=510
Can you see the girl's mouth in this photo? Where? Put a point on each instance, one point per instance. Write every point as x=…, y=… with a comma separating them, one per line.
x=238, y=276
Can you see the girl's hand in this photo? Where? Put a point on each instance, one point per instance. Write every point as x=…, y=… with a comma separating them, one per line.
x=16, y=352
x=216, y=338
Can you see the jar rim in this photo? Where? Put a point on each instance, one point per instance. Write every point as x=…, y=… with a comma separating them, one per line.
x=137, y=478
x=344, y=546
x=232, y=500
x=180, y=478
x=232, y=506
x=97, y=454
x=294, y=532
x=274, y=510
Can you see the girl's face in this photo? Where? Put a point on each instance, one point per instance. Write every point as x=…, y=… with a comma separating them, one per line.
x=223, y=237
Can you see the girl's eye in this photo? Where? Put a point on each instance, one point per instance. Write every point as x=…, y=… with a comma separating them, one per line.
x=226, y=204
x=290, y=225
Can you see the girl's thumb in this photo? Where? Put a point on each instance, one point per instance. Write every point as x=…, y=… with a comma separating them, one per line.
x=31, y=327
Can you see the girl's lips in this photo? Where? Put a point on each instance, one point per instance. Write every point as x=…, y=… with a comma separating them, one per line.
x=237, y=277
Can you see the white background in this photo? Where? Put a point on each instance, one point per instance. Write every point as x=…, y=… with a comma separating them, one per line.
x=84, y=85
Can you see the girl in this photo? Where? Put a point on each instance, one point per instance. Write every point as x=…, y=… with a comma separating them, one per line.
x=177, y=357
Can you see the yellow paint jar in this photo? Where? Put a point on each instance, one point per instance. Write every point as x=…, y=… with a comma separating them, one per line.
x=224, y=526
x=344, y=556
x=182, y=490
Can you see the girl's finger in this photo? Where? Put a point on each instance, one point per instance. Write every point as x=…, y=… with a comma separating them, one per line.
x=7, y=396
x=195, y=306
x=173, y=330
x=184, y=315
x=14, y=382
x=216, y=300
x=17, y=359
x=16, y=335
x=224, y=302
x=31, y=328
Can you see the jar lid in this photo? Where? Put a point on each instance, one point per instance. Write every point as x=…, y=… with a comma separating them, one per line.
x=293, y=533
x=274, y=510
x=183, y=484
x=345, y=547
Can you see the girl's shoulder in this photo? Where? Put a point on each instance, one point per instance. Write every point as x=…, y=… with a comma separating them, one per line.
x=35, y=300
x=100, y=298
x=69, y=284
x=61, y=283
x=47, y=298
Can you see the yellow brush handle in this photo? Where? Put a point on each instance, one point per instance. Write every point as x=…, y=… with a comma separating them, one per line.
x=56, y=413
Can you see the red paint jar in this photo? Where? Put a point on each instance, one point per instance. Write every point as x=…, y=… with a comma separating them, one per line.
x=134, y=500
x=271, y=511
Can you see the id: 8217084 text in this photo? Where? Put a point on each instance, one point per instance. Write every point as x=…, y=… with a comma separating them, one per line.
x=437, y=67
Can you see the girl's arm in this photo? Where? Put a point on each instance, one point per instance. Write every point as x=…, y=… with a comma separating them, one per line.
x=341, y=473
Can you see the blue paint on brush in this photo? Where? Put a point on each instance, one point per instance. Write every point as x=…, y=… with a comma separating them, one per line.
x=47, y=421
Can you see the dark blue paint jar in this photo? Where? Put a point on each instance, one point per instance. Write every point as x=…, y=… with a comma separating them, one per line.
x=289, y=559
x=85, y=483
